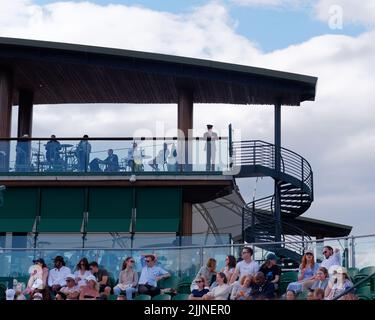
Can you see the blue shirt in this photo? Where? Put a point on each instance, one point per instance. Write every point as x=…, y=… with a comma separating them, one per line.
x=310, y=272
x=149, y=274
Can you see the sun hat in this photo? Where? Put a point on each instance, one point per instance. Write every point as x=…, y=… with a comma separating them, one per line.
x=9, y=294
x=271, y=256
x=70, y=276
x=309, y=251
x=91, y=277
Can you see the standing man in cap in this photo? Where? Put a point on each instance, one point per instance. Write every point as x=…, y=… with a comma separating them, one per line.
x=57, y=275
x=210, y=147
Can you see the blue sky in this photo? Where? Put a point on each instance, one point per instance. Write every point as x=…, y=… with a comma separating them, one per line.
x=270, y=28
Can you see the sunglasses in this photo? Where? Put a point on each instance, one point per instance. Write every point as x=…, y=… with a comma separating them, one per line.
x=148, y=261
x=132, y=261
x=324, y=252
x=198, y=281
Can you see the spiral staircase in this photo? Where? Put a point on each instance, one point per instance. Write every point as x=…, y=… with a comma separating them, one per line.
x=295, y=180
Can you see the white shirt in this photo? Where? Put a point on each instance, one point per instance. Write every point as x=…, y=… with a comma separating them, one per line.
x=57, y=276
x=82, y=281
x=220, y=292
x=247, y=268
x=333, y=260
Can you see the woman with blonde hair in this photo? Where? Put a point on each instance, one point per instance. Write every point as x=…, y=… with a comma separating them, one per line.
x=197, y=294
x=242, y=290
x=91, y=290
x=306, y=275
x=208, y=272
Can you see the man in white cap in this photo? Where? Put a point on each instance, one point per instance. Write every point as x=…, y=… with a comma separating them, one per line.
x=9, y=294
x=70, y=289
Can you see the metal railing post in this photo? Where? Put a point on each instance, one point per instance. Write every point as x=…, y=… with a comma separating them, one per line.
x=353, y=251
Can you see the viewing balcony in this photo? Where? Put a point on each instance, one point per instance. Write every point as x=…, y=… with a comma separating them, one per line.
x=113, y=156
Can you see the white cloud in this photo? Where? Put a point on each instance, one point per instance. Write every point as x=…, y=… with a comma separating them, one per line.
x=335, y=133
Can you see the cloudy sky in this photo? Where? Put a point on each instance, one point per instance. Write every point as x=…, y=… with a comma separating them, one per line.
x=331, y=39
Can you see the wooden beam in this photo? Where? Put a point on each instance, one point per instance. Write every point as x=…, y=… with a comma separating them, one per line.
x=5, y=103
x=25, y=113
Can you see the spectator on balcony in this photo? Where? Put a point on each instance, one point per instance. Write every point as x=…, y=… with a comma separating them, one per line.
x=242, y=290
x=230, y=266
x=57, y=275
x=210, y=147
x=91, y=290
x=306, y=275
x=53, y=148
x=201, y=290
x=331, y=259
x=134, y=160
x=82, y=271
x=83, y=153
x=245, y=267
x=261, y=289
x=221, y=291
x=160, y=159
x=71, y=290
x=127, y=280
x=23, y=154
x=271, y=270
x=101, y=276
x=208, y=272
x=150, y=276
x=321, y=279
x=172, y=162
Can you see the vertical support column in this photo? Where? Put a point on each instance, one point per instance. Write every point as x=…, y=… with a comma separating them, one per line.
x=277, y=133
x=187, y=219
x=6, y=90
x=25, y=113
x=184, y=123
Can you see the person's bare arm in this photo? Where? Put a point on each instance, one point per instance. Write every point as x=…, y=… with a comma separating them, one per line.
x=234, y=275
x=104, y=280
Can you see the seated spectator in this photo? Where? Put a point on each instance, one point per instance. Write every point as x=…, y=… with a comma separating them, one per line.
x=221, y=291
x=38, y=279
x=271, y=270
x=245, y=267
x=82, y=271
x=310, y=295
x=37, y=296
x=230, y=266
x=160, y=159
x=102, y=296
x=102, y=277
x=208, y=272
x=338, y=284
x=290, y=295
x=60, y=295
x=318, y=294
x=128, y=279
x=321, y=279
x=261, y=289
x=201, y=290
x=307, y=271
x=57, y=275
x=332, y=258
x=71, y=290
x=91, y=290
x=9, y=294
x=150, y=276
x=241, y=290
x=121, y=297
x=111, y=163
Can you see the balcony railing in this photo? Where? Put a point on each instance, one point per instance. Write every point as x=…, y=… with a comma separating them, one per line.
x=100, y=156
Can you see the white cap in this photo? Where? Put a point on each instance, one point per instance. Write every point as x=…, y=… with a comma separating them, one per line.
x=91, y=277
x=9, y=294
x=70, y=276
